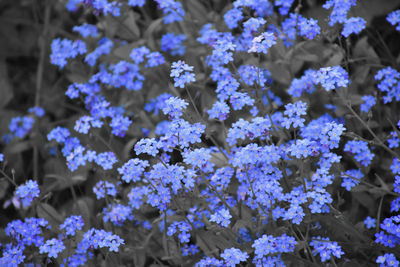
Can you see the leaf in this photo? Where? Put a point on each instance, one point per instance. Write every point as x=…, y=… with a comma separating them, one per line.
x=6, y=90
x=279, y=72
x=83, y=206
x=57, y=182
x=218, y=159
x=335, y=59
x=47, y=212
x=360, y=74
x=18, y=147
x=139, y=257
x=197, y=10
x=367, y=9
x=363, y=49
x=130, y=23
x=308, y=51
x=123, y=52
x=3, y=187
x=149, y=33
x=208, y=248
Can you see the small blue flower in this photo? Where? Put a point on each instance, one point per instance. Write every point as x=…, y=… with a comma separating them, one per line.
x=353, y=25
x=52, y=247
x=27, y=192
x=72, y=224
x=370, y=222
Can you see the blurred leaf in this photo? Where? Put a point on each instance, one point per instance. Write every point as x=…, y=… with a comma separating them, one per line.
x=218, y=159
x=335, y=58
x=367, y=9
x=139, y=257
x=197, y=10
x=3, y=187
x=6, y=90
x=311, y=51
x=83, y=206
x=149, y=33
x=360, y=74
x=130, y=23
x=18, y=147
x=204, y=241
x=57, y=182
x=47, y=212
x=364, y=199
x=364, y=51
x=279, y=72
x=124, y=51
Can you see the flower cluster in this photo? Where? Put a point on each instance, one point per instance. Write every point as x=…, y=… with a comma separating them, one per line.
x=360, y=150
x=325, y=248
x=181, y=73
x=27, y=192
x=63, y=49
x=263, y=160
x=389, y=84
x=394, y=19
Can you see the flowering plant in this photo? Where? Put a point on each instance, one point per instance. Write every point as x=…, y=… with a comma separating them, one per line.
x=211, y=133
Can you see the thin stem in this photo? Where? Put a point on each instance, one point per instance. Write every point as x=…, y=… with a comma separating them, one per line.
x=8, y=178
x=201, y=117
x=370, y=131
x=378, y=216
x=39, y=81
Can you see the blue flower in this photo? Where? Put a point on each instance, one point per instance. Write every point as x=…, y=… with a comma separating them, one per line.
x=180, y=72
x=106, y=160
x=234, y=256
x=394, y=18
x=351, y=178
x=173, y=107
x=132, y=170
x=369, y=102
x=353, y=25
x=138, y=54
x=139, y=3
x=63, y=49
x=339, y=11
x=360, y=151
x=172, y=10
x=232, y=17
x=53, y=247
x=331, y=78
x=388, y=79
x=388, y=260
x=221, y=217
x=219, y=110
x=103, y=189
x=27, y=192
x=284, y=6
x=261, y=43
x=72, y=224
x=325, y=248
x=86, y=30
x=173, y=43
x=103, y=48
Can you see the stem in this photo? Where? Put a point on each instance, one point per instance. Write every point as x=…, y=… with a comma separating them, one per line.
x=39, y=81
x=370, y=131
x=8, y=178
x=378, y=217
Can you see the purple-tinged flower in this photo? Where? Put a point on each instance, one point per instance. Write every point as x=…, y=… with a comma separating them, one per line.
x=27, y=192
